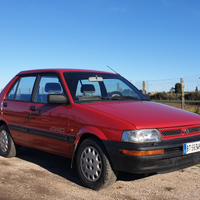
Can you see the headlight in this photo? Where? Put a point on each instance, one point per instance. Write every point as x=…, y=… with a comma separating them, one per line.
x=140, y=136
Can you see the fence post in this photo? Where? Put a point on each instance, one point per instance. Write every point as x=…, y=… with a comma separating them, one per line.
x=182, y=92
x=143, y=88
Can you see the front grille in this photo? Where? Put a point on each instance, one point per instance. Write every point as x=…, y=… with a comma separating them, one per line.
x=194, y=129
x=171, y=132
x=180, y=131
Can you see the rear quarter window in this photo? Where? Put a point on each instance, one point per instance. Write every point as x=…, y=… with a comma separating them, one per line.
x=11, y=93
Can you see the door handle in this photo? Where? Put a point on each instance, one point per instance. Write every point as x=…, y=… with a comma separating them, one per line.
x=5, y=104
x=33, y=108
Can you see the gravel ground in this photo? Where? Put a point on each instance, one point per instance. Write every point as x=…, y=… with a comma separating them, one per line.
x=39, y=175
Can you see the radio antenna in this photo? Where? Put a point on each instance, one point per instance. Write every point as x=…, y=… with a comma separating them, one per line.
x=112, y=69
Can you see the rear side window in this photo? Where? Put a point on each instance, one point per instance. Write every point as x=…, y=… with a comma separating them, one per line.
x=25, y=88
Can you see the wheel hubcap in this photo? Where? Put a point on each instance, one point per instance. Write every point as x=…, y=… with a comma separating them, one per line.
x=3, y=141
x=91, y=164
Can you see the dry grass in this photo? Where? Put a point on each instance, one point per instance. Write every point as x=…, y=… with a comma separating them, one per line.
x=194, y=110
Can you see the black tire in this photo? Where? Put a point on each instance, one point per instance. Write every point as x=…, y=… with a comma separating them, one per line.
x=8, y=148
x=93, y=166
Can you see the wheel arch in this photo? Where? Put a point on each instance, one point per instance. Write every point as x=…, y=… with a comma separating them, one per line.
x=2, y=122
x=10, y=149
x=83, y=134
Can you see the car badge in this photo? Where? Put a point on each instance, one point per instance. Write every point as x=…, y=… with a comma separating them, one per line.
x=186, y=131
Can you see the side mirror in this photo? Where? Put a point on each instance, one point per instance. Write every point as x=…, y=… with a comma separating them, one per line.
x=57, y=99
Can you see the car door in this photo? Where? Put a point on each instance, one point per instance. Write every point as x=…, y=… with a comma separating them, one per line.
x=48, y=123
x=16, y=106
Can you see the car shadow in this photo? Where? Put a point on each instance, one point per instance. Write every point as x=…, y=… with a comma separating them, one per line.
x=62, y=166
x=125, y=176
x=53, y=163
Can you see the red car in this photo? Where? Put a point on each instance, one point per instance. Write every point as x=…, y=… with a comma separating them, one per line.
x=99, y=120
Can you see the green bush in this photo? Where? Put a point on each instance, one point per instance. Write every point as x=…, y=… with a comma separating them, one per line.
x=175, y=96
x=193, y=96
x=165, y=96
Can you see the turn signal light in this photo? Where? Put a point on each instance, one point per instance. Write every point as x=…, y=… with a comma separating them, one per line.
x=142, y=153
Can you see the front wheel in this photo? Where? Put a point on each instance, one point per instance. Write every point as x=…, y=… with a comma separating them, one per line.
x=7, y=146
x=93, y=166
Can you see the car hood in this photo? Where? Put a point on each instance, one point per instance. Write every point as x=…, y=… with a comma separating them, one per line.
x=147, y=114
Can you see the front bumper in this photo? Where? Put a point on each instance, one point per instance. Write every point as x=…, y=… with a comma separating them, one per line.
x=172, y=159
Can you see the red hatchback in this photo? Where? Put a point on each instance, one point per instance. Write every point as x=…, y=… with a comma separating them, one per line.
x=99, y=120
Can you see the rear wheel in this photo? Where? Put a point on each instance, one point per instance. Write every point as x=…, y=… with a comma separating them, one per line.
x=7, y=146
x=93, y=166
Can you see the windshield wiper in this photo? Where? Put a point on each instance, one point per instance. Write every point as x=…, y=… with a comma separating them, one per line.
x=145, y=99
x=124, y=97
x=96, y=98
x=93, y=98
x=104, y=98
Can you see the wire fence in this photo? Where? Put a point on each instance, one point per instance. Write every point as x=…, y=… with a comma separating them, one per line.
x=191, y=83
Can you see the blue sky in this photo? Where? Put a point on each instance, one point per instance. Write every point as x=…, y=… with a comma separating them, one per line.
x=140, y=39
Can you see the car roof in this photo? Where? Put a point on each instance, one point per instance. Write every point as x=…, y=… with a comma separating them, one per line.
x=59, y=71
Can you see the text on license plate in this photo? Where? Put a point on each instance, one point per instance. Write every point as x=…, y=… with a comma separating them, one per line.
x=191, y=147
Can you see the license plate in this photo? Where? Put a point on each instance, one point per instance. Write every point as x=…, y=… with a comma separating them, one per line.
x=191, y=147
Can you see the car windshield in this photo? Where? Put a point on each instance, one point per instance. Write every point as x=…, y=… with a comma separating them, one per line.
x=86, y=86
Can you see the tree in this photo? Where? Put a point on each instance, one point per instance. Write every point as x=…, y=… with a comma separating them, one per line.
x=178, y=88
x=172, y=90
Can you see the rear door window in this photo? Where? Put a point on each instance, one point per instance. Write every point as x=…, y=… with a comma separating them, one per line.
x=25, y=88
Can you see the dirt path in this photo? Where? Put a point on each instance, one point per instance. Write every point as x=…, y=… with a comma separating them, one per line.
x=39, y=175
